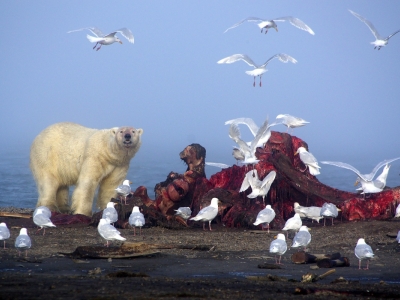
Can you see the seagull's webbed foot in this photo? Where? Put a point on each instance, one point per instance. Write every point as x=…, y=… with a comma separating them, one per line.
x=95, y=46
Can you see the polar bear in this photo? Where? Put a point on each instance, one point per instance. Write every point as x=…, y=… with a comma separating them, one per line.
x=66, y=154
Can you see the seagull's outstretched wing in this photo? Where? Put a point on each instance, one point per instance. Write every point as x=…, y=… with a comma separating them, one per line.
x=282, y=57
x=267, y=181
x=97, y=32
x=297, y=23
x=369, y=24
x=235, y=58
x=218, y=165
x=245, y=121
x=371, y=175
x=345, y=166
x=249, y=19
x=392, y=34
x=126, y=33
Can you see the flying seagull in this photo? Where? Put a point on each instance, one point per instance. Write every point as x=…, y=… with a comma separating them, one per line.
x=380, y=40
x=259, y=70
x=267, y=24
x=106, y=39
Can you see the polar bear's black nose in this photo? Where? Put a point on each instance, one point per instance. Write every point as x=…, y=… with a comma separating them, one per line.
x=127, y=136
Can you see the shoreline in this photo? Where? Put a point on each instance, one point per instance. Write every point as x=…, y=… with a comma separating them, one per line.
x=228, y=269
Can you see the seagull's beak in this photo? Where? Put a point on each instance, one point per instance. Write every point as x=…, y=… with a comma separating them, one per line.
x=297, y=152
x=355, y=183
x=130, y=182
x=115, y=203
x=275, y=237
x=309, y=229
x=120, y=42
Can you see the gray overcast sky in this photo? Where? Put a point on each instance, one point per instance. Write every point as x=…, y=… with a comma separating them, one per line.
x=169, y=83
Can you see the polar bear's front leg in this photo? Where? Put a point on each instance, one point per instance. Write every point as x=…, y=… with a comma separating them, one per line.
x=82, y=197
x=108, y=186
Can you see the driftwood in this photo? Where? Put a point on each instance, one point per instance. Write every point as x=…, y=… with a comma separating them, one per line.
x=128, y=249
x=310, y=277
x=329, y=263
x=302, y=257
x=15, y=215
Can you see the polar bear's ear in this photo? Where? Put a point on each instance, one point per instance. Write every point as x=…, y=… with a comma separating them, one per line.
x=139, y=131
x=114, y=130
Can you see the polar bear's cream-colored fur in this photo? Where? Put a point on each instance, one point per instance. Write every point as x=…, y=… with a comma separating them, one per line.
x=66, y=154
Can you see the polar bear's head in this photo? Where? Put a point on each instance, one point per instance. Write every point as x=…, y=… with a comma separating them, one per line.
x=128, y=137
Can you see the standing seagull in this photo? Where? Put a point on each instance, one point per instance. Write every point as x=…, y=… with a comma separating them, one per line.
x=291, y=121
x=184, y=213
x=294, y=223
x=329, y=210
x=136, y=219
x=41, y=217
x=265, y=216
x=110, y=213
x=207, y=213
x=106, y=39
x=259, y=70
x=258, y=187
x=279, y=247
x=397, y=215
x=124, y=189
x=4, y=233
x=380, y=40
x=23, y=242
x=308, y=160
x=108, y=232
x=302, y=238
x=363, y=251
x=267, y=24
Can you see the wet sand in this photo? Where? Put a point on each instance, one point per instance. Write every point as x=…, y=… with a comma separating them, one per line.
x=220, y=264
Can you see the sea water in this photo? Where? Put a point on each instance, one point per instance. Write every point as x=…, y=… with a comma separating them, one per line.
x=18, y=188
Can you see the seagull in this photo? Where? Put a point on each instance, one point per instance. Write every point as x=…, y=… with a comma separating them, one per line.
x=267, y=24
x=248, y=151
x=259, y=70
x=136, y=219
x=258, y=187
x=302, y=238
x=110, y=213
x=265, y=216
x=380, y=40
x=41, y=217
x=397, y=215
x=374, y=186
x=365, y=177
x=4, y=233
x=23, y=242
x=106, y=39
x=124, y=189
x=207, y=213
x=329, y=210
x=184, y=212
x=363, y=251
x=108, y=232
x=294, y=223
x=279, y=247
x=309, y=161
x=311, y=212
x=238, y=154
x=291, y=121
x=217, y=165
x=254, y=129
